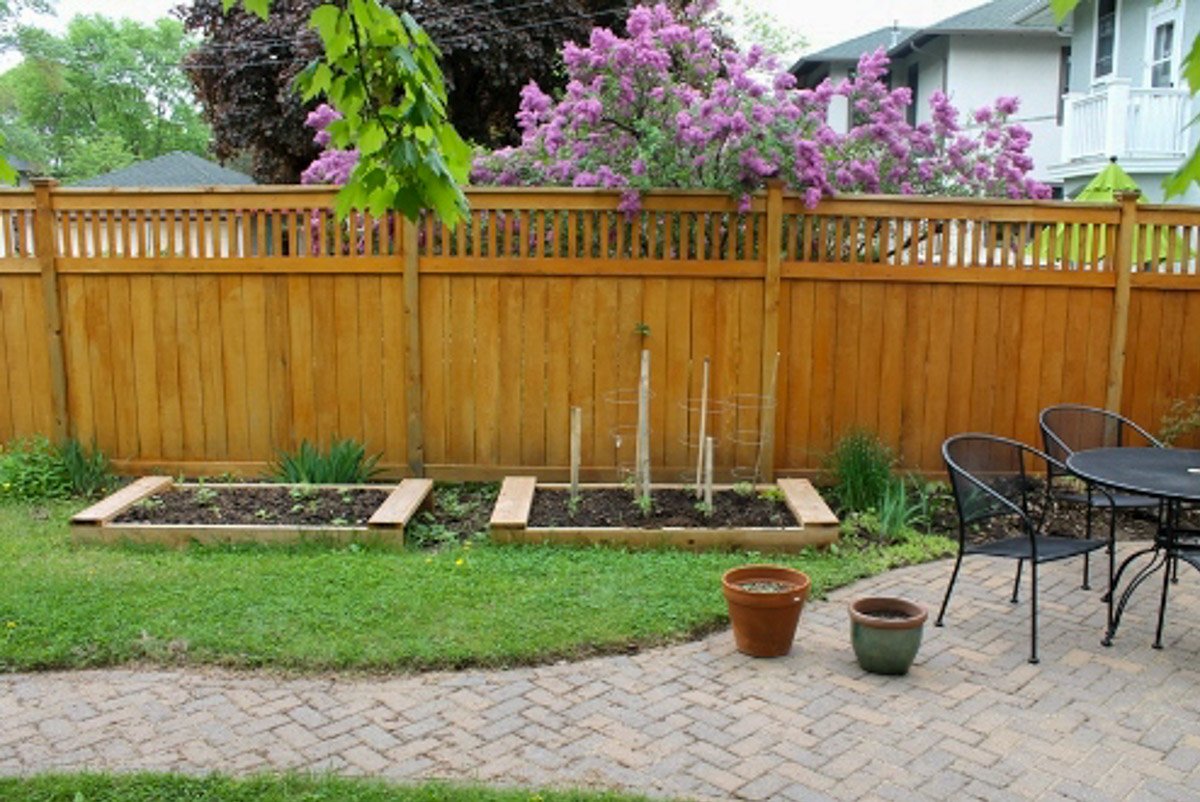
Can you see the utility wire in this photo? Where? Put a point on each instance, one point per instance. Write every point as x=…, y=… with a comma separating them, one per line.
x=462, y=39
x=453, y=14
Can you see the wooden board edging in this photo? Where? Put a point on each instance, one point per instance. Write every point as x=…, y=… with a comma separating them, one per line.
x=511, y=510
x=402, y=504
x=818, y=525
x=112, y=505
x=182, y=535
x=783, y=539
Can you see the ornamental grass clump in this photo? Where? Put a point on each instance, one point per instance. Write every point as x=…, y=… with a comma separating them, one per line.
x=666, y=106
x=860, y=467
x=345, y=463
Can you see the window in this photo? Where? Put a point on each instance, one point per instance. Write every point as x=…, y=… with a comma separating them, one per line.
x=1064, y=80
x=1162, y=56
x=914, y=72
x=1106, y=36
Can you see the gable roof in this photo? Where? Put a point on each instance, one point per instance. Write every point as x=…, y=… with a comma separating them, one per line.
x=852, y=49
x=997, y=16
x=176, y=169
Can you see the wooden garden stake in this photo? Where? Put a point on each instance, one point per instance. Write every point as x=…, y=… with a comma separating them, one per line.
x=642, y=479
x=703, y=425
x=576, y=432
x=708, y=473
x=768, y=410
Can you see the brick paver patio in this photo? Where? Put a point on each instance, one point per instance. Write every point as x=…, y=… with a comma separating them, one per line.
x=972, y=720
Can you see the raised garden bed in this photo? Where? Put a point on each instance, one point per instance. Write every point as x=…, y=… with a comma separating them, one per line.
x=155, y=509
x=787, y=516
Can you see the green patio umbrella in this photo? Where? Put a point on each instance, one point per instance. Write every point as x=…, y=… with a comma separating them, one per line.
x=1079, y=237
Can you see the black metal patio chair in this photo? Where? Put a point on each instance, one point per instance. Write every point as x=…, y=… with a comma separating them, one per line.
x=991, y=479
x=1067, y=428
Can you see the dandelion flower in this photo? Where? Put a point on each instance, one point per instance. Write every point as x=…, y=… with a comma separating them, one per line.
x=459, y=561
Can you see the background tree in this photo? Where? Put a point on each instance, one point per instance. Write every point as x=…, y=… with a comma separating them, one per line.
x=245, y=67
x=103, y=94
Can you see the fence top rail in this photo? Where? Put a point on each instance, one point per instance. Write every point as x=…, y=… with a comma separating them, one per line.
x=16, y=199
x=1169, y=214
x=295, y=197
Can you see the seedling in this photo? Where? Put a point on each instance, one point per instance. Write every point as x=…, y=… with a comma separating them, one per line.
x=744, y=489
x=772, y=494
x=704, y=508
x=204, y=495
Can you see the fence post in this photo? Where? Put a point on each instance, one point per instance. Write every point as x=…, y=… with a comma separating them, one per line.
x=412, y=348
x=46, y=250
x=1122, y=263
x=770, y=343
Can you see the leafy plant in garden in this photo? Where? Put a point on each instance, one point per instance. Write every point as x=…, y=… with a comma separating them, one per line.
x=860, y=466
x=345, y=463
x=665, y=107
x=88, y=471
x=36, y=469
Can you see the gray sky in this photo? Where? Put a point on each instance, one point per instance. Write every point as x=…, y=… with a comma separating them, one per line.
x=822, y=22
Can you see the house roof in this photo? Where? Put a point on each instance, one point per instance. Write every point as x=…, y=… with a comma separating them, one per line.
x=852, y=49
x=997, y=16
x=176, y=169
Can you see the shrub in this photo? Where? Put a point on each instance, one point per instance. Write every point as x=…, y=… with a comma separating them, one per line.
x=345, y=463
x=861, y=469
x=1181, y=419
x=36, y=469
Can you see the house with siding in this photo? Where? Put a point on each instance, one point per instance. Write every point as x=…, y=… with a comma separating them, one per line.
x=1127, y=99
x=1005, y=47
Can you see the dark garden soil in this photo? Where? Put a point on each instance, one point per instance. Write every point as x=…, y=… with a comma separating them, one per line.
x=460, y=512
x=264, y=505
x=616, y=507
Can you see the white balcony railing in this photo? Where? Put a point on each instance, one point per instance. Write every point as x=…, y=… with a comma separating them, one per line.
x=1129, y=123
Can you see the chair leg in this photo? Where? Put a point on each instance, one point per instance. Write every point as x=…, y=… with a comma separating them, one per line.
x=1017, y=581
x=949, y=588
x=1175, y=571
x=1033, y=657
x=1086, y=570
x=1112, y=556
x=1162, y=604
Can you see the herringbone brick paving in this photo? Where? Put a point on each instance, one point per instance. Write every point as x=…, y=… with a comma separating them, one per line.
x=972, y=721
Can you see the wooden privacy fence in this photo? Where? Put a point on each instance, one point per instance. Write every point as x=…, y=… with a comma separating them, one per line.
x=204, y=330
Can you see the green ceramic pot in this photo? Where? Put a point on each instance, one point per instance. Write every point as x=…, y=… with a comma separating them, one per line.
x=886, y=633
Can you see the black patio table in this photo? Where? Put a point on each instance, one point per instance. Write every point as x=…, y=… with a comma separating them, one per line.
x=1171, y=475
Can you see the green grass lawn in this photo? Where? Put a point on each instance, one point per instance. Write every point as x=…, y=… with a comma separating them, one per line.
x=288, y=788
x=319, y=608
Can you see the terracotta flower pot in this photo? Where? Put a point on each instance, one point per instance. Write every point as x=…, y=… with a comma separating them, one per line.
x=764, y=623
x=886, y=633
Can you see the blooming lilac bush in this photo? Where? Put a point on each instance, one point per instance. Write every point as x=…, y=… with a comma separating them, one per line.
x=332, y=166
x=665, y=107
